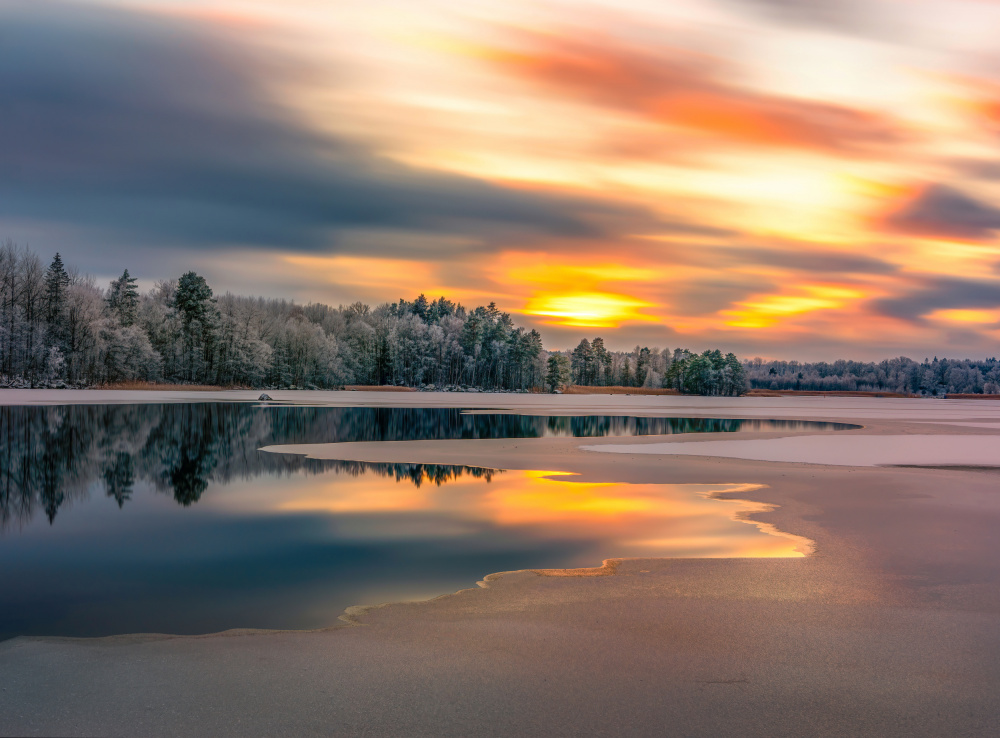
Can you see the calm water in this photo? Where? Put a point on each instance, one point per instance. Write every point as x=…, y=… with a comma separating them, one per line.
x=166, y=518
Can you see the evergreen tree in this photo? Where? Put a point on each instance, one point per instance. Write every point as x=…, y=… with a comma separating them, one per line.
x=420, y=306
x=583, y=358
x=641, y=366
x=123, y=299
x=56, y=284
x=602, y=362
x=558, y=372
x=196, y=306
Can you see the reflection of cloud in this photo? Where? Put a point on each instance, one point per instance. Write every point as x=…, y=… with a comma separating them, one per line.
x=691, y=92
x=164, y=132
x=939, y=211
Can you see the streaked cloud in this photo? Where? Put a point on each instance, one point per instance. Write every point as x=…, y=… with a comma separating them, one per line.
x=774, y=177
x=940, y=211
x=164, y=133
x=847, y=16
x=940, y=296
x=681, y=89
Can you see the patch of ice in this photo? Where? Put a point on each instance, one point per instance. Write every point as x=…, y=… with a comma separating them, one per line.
x=836, y=450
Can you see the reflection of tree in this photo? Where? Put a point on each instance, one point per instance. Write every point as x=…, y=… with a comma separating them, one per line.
x=418, y=474
x=119, y=477
x=50, y=456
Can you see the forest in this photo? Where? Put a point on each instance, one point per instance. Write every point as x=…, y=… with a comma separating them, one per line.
x=591, y=364
x=59, y=328
x=928, y=377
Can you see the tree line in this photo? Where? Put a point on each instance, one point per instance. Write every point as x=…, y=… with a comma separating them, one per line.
x=591, y=364
x=59, y=328
x=928, y=377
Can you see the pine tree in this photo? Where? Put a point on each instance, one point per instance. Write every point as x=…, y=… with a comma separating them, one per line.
x=194, y=301
x=56, y=284
x=123, y=299
x=583, y=357
x=558, y=371
x=602, y=362
x=641, y=366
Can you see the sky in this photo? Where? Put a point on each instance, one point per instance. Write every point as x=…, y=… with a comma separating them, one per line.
x=796, y=179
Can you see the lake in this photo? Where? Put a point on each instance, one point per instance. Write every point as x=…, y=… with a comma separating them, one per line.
x=166, y=517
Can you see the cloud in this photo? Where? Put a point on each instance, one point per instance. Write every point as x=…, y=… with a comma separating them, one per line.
x=680, y=89
x=709, y=296
x=978, y=168
x=845, y=16
x=807, y=258
x=943, y=293
x=939, y=211
x=164, y=133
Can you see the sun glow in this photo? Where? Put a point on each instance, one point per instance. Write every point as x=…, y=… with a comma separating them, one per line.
x=588, y=310
x=983, y=317
x=768, y=310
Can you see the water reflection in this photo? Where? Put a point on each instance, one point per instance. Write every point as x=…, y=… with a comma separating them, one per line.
x=180, y=525
x=52, y=455
x=294, y=552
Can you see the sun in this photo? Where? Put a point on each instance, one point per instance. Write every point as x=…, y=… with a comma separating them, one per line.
x=587, y=309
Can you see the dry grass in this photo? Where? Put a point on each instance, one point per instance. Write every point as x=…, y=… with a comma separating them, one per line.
x=579, y=390
x=378, y=388
x=821, y=393
x=967, y=396
x=160, y=387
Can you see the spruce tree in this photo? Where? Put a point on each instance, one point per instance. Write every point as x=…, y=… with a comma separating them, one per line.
x=56, y=284
x=123, y=299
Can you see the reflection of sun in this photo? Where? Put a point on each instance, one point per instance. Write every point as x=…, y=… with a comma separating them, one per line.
x=631, y=519
x=587, y=309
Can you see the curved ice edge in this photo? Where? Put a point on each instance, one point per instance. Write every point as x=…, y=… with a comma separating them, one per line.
x=351, y=616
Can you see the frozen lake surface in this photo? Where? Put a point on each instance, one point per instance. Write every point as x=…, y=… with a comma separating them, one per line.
x=166, y=517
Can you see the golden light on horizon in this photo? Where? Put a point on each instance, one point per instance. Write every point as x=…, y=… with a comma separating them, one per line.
x=984, y=317
x=768, y=310
x=588, y=310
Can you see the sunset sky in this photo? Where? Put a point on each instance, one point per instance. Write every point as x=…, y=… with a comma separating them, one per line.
x=784, y=178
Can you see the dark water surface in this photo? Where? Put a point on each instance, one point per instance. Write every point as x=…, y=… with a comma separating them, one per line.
x=167, y=518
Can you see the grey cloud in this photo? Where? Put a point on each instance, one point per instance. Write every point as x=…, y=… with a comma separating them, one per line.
x=835, y=15
x=978, y=168
x=160, y=132
x=943, y=293
x=706, y=297
x=807, y=260
x=945, y=212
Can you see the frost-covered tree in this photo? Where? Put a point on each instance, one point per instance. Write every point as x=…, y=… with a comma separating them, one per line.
x=123, y=299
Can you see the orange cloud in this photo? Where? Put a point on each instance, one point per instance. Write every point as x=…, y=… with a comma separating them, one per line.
x=767, y=310
x=684, y=90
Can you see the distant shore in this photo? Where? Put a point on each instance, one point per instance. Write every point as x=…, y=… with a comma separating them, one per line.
x=570, y=390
